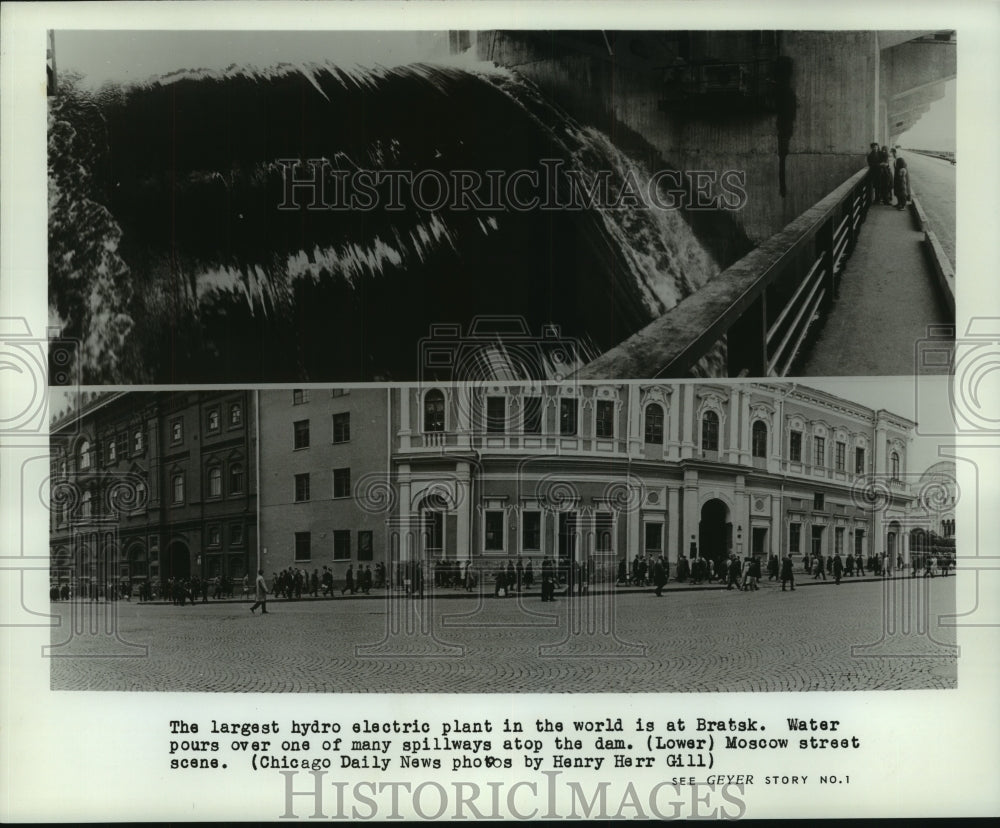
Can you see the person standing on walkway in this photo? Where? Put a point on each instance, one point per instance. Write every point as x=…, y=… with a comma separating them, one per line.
x=838, y=568
x=885, y=176
x=261, y=587
x=659, y=576
x=902, y=184
x=787, y=573
x=873, y=172
x=349, y=580
x=859, y=565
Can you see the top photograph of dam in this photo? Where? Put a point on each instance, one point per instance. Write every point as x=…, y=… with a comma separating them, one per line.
x=394, y=206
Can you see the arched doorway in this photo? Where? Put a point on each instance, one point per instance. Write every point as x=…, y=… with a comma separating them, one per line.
x=715, y=531
x=178, y=561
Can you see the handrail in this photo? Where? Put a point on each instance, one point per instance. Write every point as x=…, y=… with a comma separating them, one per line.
x=735, y=301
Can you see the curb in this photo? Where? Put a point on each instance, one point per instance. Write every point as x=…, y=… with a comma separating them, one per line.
x=944, y=273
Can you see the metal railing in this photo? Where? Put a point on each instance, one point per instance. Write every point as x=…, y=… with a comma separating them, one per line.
x=764, y=305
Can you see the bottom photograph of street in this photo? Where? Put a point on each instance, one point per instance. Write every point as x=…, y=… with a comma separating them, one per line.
x=513, y=537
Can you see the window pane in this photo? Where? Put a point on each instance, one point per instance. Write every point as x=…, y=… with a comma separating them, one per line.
x=603, y=538
x=532, y=415
x=301, y=487
x=567, y=417
x=342, y=427
x=654, y=424
x=710, y=431
x=342, y=545
x=859, y=461
x=301, y=434
x=605, y=418
x=841, y=456
x=494, y=531
x=434, y=411
x=531, y=531
x=235, y=478
x=795, y=447
x=342, y=482
x=215, y=482
x=303, y=546
x=654, y=538
x=759, y=439
x=819, y=451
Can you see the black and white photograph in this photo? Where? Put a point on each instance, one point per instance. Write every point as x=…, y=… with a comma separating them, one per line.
x=686, y=537
x=488, y=410
x=347, y=206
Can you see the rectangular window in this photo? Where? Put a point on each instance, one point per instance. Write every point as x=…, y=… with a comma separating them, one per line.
x=112, y=451
x=342, y=544
x=365, y=552
x=838, y=540
x=215, y=481
x=794, y=535
x=176, y=431
x=235, y=414
x=795, y=447
x=342, y=427
x=654, y=425
x=493, y=523
x=819, y=451
x=605, y=423
x=859, y=461
x=300, y=430
x=567, y=417
x=213, y=419
x=137, y=442
x=342, y=482
x=178, y=488
x=301, y=487
x=236, y=478
x=236, y=534
x=496, y=415
x=841, y=460
x=818, y=501
x=303, y=546
x=532, y=418
x=531, y=531
x=859, y=541
x=214, y=536
x=604, y=540
x=299, y=396
x=654, y=539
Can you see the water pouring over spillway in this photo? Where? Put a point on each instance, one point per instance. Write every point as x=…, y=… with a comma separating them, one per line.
x=289, y=224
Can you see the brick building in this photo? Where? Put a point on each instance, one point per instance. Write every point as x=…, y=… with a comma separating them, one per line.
x=153, y=485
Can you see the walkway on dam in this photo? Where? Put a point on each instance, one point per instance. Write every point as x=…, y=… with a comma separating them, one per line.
x=886, y=304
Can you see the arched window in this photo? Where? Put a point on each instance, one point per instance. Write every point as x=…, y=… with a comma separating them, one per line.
x=759, y=439
x=894, y=459
x=654, y=424
x=178, y=488
x=235, y=478
x=84, y=455
x=434, y=410
x=137, y=441
x=710, y=431
x=85, y=505
x=215, y=482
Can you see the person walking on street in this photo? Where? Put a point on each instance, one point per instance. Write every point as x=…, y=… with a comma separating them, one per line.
x=349, y=582
x=261, y=594
x=838, y=568
x=787, y=573
x=659, y=576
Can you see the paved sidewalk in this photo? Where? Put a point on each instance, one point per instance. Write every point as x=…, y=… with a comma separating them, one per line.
x=887, y=300
x=801, y=580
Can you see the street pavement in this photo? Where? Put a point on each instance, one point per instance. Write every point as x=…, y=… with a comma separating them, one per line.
x=820, y=637
x=933, y=181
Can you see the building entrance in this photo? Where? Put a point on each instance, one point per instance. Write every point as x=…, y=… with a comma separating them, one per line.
x=715, y=530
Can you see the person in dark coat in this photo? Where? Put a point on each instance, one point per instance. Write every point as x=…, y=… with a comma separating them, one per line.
x=659, y=576
x=873, y=172
x=349, y=580
x=902, y=184
x=261, y=588
x=735, y=570
x=501, y=581
x=838, y=568
x=529, y=575
x=787, y=573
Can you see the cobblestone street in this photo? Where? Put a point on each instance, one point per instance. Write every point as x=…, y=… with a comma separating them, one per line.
x=866, y=635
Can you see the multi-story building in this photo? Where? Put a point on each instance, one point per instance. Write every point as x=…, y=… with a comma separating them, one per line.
x=154, y=485
x=317, y=445
x=593, y=471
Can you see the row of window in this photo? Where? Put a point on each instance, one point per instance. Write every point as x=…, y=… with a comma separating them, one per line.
x=301, y=395
x=341, y=431
x=237, y=536
x=117, y=447
x=654, y=417
x=341, y=485
x=341, y=545
x=495, y=538
x=839, y=532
